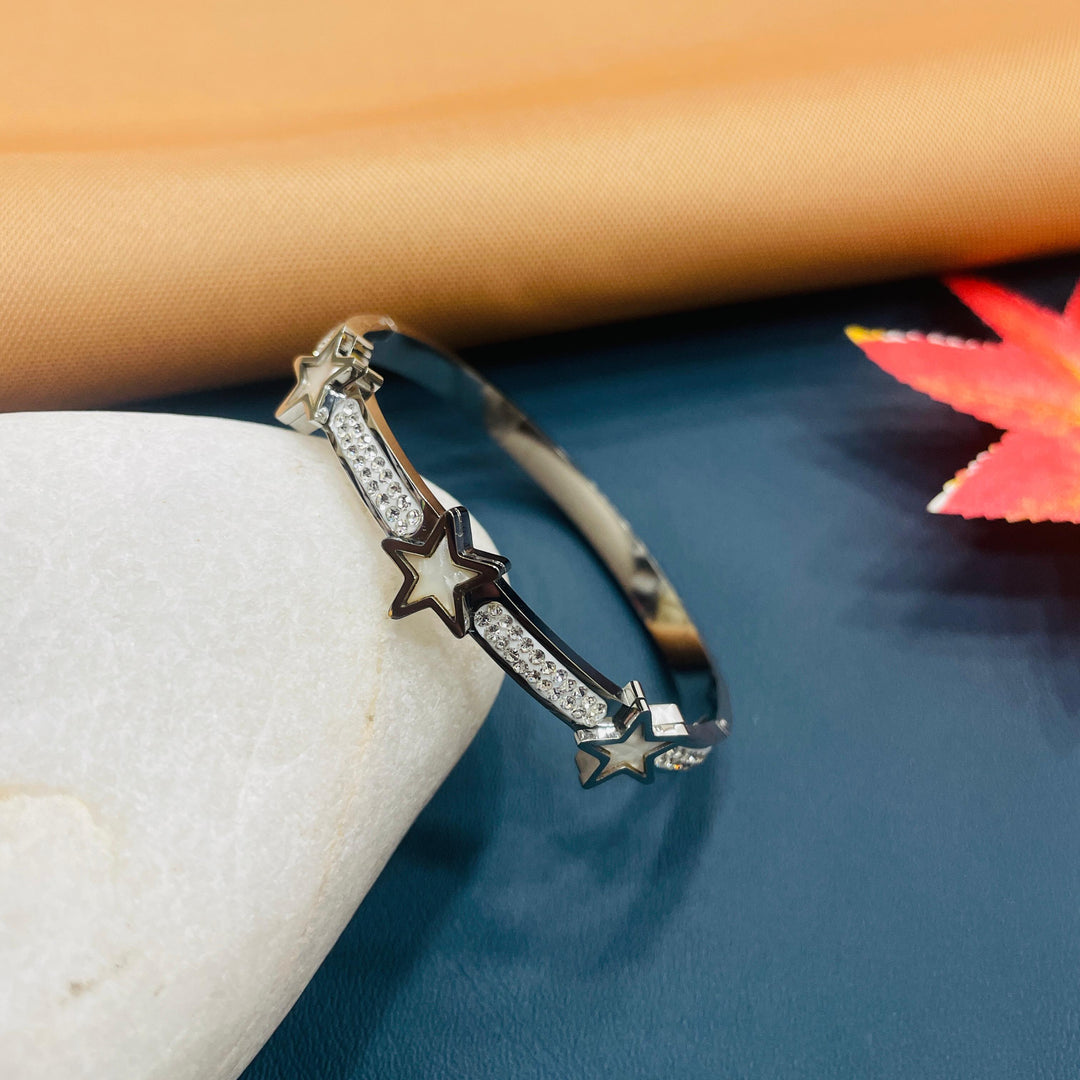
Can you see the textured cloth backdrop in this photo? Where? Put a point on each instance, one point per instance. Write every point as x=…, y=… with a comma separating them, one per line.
x=191, y=194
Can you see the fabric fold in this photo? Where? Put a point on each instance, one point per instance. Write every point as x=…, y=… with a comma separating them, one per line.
x=208, y=241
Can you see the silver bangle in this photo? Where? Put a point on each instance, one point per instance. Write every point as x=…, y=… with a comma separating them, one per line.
x=616, y=730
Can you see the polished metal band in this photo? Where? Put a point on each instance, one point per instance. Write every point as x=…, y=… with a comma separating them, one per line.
x=616, y=729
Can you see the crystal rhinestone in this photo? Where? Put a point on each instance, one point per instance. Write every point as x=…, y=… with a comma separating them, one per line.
x=681, y=757
x=526, y=657
x=321, y=415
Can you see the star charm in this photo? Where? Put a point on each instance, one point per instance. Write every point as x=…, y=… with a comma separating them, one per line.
x=441, y=569
x=314, y=374
x=631, y=754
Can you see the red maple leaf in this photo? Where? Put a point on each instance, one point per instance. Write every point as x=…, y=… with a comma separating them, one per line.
x=1028, y=384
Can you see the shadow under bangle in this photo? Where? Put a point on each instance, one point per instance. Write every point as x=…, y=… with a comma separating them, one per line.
x=616, y=730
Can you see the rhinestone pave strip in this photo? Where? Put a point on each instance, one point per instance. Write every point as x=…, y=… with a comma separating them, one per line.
x=537, y=666
x=681, y=757
x=377, y=475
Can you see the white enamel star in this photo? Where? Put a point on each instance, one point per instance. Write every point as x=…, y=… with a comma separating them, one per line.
x=631, y=752
x=437, y=576
x=440, y=568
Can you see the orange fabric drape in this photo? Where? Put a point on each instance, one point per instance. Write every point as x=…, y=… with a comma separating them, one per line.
x=191, y=194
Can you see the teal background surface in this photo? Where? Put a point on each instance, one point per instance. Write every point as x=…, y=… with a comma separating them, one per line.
x=879, y=875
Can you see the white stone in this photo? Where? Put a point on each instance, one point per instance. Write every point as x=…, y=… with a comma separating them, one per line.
x=211, y=736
